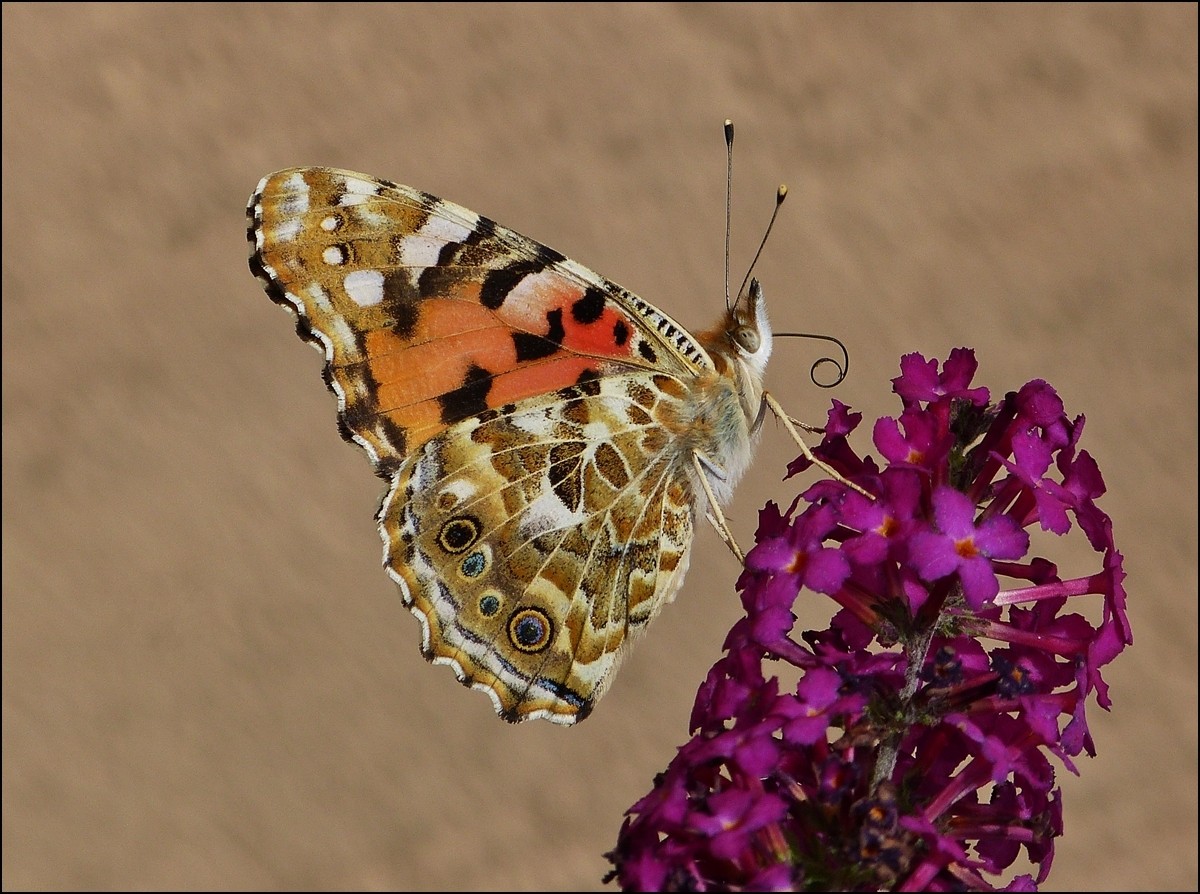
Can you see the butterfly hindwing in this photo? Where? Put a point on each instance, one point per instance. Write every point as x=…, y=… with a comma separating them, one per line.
x=536, y=542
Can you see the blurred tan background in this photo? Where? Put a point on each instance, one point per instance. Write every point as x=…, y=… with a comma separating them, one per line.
x=208, y=681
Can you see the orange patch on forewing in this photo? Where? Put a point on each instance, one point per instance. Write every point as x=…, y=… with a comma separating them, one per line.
x=454, y=314
x=527, y=306
x=409, y=373
x=454, y=333
x=449, y=337
x=420, y=422
x=540, y=377
x=599, y=338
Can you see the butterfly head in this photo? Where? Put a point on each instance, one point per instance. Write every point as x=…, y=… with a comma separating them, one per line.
x=749, y=334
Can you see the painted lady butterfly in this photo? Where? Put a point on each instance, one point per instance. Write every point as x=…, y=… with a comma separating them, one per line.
x=550, y=439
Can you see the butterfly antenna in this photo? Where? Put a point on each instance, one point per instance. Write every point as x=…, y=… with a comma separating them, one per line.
x=779, y=197
x=728, y=199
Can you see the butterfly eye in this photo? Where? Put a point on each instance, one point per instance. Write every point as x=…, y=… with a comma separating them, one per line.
x=747, y=339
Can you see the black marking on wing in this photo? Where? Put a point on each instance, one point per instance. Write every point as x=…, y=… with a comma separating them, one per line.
x=589, y=382
x=566, y=473
x=499, y=283
x=469, y=398
x=620, y=333
x=588, y=308
x=535, y=347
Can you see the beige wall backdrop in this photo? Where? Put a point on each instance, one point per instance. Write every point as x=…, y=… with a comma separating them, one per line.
x=208, y=681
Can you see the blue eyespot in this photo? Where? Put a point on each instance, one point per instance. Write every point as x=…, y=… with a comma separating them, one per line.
x=474, y=564
x=529, y=629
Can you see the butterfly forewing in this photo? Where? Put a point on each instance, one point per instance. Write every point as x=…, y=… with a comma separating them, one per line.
x=429, y=313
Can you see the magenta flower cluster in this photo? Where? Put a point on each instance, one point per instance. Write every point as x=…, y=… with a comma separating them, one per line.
x=914, y=752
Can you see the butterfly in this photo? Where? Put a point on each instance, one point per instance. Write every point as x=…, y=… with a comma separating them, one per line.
x=550, y=440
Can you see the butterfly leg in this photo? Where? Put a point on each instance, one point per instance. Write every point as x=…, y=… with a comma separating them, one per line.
x=811, y=429
x=773, y=404
x=715, y=516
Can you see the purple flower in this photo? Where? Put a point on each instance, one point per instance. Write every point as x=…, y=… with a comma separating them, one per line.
x=958, y=544
x=920, y=382
x=915, y=440
x=801, y=553
x=915, y=751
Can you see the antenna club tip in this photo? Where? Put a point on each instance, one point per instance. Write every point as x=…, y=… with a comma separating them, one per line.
x=782, y=194
x=728, y=131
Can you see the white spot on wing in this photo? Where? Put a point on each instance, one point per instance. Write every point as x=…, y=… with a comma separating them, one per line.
x=288, y=230
x=416, y=251
x=295, y=194
x=371, y=217
x=523, y=305
x=333, y=255
x=365, y=287
x=462, y=489
x=448, y=230
x=547, y=513
x=320, y=298
x=530, y=423
x=361, y=187
x=423, y=247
